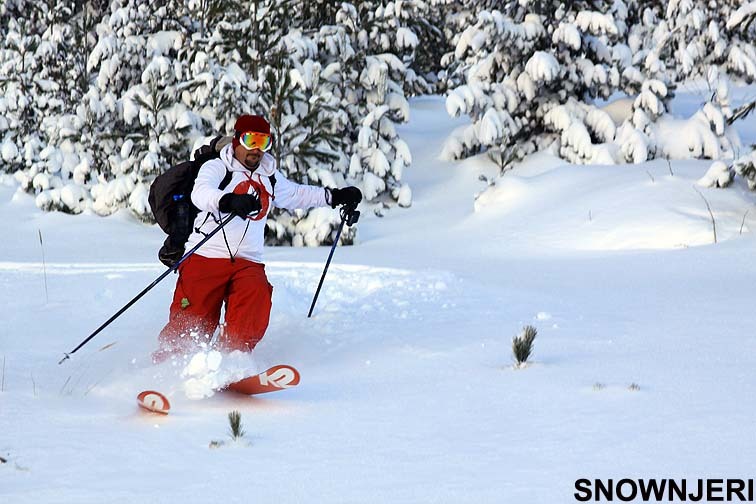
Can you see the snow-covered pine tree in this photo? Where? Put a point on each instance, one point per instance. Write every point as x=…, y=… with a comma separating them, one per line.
x=22, y=24
x=745, y=166
x=580, y=52
x=426, y=21
x=740, y=27
x=55, y=164
x=159, y=126
x=64, y=164
x=690, y=42
x=686, y=39
x=694, y=35
x=368, y=82
x=741, y=62
x=264, y=65
x=127, y=87
x=396, y=28
x=308, y=144
x=134, y=94
x=636, y=136
x=519, y=65
x=312, y=14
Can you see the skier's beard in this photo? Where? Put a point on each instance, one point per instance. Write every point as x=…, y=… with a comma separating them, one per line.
x=252, y=160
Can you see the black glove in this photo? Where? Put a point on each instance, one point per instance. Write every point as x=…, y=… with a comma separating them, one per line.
x=170, y=253
x=348, y=196
x=239, y=204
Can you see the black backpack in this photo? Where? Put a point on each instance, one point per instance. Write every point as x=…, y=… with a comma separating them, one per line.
x=171, y=204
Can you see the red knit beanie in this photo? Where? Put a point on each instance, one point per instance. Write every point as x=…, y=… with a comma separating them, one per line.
x=247, y=122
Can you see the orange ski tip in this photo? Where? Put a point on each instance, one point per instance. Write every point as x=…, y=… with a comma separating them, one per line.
x=289, y=374
x=153, y=401
x=277, y=378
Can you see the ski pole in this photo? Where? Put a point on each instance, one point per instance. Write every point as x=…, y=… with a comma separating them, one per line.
x=349, y=216
x=147, y=289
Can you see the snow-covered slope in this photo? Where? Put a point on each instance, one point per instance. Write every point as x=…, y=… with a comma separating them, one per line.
x=408, y=391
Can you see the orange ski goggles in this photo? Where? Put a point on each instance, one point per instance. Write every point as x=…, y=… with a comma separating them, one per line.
x=252, y=140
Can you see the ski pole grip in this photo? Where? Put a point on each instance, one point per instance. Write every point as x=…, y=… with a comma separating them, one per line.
x=350, y=215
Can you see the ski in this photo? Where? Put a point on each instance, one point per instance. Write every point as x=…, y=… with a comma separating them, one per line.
x=274, y=379
x=277, y=378
x=154, y=402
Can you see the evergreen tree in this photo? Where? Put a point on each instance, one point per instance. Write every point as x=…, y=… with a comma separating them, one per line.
x=369, y=88
x=740, y=26
x=741, y=61
x=260, y=66
x=396, y=28
x=529, y=73
x=307, y=143
x=22, y=24
x=520, y=63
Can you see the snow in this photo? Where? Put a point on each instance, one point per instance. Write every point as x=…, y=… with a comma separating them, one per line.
x=526, y=86
x=459, y=100
x=372, y=185
x=568, y=34
x=683, y=138
x=634, y=145
x=718, y=175
x=596, y=23
x=130, y=108
x=742, y=61
x=542, y=66
x=203, y=374
x=744, y=11
x=405, y=38
x=602, y=124
x=649, y=98
x=409, y=392
x=491, y=128
x=8, y=150
x=404, y=198
x=162, y=42
x=73, y=196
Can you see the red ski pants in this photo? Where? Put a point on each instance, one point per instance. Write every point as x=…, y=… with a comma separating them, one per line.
x=203, y=285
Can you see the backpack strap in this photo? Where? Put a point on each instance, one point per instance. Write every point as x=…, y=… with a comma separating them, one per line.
x=226, y=180
x=224, y=183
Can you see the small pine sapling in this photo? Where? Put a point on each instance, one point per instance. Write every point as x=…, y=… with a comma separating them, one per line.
x=237, y=429
x=522, y=345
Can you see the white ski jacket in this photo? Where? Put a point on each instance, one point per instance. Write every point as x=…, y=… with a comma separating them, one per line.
x=243, y=237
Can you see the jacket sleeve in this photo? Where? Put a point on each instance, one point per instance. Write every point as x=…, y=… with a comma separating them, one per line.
x=206, y=194
x=291, y=196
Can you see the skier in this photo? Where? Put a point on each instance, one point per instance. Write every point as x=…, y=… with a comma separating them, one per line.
x=229, y=268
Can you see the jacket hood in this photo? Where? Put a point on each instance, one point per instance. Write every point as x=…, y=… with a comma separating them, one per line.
x=267, y=163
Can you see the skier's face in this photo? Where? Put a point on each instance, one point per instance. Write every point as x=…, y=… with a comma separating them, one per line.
x=249, y=158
